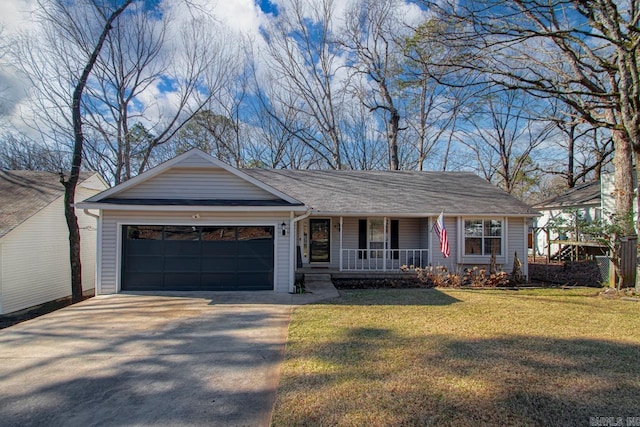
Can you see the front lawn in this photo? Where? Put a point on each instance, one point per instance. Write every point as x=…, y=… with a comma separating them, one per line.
x=461, y=357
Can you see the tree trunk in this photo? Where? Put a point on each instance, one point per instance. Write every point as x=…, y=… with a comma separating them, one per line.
x=571, y=181
x=624, y=191
x=394, y=126
x=76, y=161
x=74, y=234
x=623, y=176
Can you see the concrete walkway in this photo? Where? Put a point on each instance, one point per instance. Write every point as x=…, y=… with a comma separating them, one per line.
x=176, y=359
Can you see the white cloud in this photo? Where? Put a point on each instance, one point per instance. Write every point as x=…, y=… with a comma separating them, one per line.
x=16, y=15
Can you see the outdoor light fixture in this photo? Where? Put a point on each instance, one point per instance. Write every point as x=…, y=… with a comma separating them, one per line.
x=283, y=226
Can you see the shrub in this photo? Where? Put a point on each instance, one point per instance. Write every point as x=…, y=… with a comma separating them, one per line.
x=440, y=276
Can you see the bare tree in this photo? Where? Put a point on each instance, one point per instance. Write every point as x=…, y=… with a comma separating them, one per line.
x=17, y=152
x=59, y=64
x=369, y=38
x=304, y=65
x=366, y=147
x=434, y=108
x=582, y=53
x=188, y=71
x=278, y=139
x=503, y=138
x=212, y=133
x=587, y=151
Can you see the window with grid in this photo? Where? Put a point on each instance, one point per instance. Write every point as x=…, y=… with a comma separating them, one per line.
x=483, y=237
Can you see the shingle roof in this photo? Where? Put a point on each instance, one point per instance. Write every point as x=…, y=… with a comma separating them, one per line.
x=393, y=192
x=24, y=193
x=581, y=194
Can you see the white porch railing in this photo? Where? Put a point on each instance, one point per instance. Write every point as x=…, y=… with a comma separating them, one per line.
x=382, y=259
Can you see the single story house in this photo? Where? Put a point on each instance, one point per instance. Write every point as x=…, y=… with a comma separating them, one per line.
x=34, y=248
x=196, y=223
x=558, y=214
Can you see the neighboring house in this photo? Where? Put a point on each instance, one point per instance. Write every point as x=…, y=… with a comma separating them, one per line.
x=196, y=223
x=554, y=229
x=34, y=239
x=608, y=190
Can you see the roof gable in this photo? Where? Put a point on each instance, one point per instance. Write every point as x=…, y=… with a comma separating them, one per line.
x=193, y=176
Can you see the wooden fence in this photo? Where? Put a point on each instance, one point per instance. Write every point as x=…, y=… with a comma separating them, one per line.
x=628, y=255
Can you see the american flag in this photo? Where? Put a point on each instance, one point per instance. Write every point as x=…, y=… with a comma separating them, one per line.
x=441, y=232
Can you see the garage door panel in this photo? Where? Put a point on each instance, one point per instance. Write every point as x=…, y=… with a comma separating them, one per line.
x=145, y=247
x=255, y=266
x=219, y=248
x=198, y=258
x=182, y=264
x=254, y=281
x=182, y=281
x=144, y=264
x=218, y=281
x=172, y=248
x=142, y=281
x=220, y=264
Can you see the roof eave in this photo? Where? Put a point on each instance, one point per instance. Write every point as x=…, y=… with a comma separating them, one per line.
x=422, y=214
x=189, y=208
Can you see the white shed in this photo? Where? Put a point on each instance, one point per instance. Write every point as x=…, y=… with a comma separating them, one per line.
x=34, y=242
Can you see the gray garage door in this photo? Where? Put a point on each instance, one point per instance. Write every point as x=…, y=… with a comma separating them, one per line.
x=188, y=258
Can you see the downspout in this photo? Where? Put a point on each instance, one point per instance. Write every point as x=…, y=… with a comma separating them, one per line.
x=97, y=285
x=292, y=245
x=87, y=212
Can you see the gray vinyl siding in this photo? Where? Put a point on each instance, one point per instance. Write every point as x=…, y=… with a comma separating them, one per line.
x=409, y=233
x=516, y=243
x=185, y=183
x=195, y=162
x=451, y=225
x=350, y=234
x=110, y=256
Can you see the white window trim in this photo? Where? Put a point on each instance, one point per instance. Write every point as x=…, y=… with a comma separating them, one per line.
x=479, y=259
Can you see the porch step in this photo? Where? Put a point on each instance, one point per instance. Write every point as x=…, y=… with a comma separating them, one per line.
x=317, y=277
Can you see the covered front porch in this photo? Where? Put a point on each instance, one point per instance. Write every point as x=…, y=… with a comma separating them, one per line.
x=362, y=244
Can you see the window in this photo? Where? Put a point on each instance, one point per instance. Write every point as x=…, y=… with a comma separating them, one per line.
x=181, y=233
x=376, y=237
x=372, y=239
x=144, y=232
x=482, y=237
x=227, y=234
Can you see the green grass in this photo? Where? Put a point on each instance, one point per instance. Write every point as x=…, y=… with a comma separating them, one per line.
x=461, y=357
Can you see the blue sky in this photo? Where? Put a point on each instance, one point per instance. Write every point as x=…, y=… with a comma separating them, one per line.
x=267, y=7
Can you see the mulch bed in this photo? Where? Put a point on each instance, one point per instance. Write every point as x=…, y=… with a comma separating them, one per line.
x=397, y=283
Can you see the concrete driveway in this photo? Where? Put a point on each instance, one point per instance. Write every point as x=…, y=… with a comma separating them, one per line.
x=176, y=359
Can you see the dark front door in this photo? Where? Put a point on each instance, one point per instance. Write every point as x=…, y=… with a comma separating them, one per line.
x=197, y=258
x=320, y=244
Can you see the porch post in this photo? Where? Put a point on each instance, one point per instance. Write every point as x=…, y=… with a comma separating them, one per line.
x=340, y=243
x=292, y=252
x=384, y=244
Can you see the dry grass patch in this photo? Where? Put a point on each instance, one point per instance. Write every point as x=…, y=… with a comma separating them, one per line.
x=461, y=357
